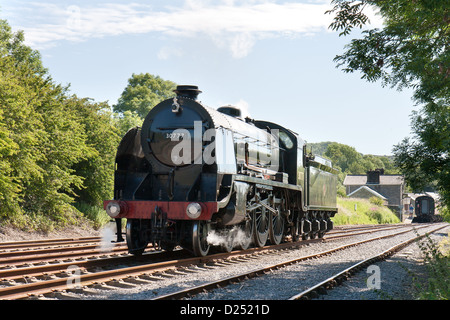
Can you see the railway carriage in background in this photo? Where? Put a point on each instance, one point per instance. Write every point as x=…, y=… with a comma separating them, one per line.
x=425, y=209
x=192, y=171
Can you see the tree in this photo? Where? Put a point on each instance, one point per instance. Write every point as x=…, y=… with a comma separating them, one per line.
x=412, y=50
x=8, y=187
x=424, y=158
x=143, y=92
x=54, y=147
x=342, y=156
x=97, y=168
x=127, y=120
x=44, y=136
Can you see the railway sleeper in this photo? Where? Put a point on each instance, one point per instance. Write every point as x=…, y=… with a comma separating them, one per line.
x=120, y=283
x=150, y=277
x=62, y=295
x=8, y=283
x=101, y=286
x=83, y=290
x=137, y=280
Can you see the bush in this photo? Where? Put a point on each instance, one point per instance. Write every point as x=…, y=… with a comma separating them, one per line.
x=445, y=213
x=31, y=222
x=341, y=192
x=376, y=200
x=93, y=213
x=437, y=260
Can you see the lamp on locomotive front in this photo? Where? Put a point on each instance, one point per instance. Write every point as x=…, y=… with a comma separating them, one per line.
x=193, y=210
x=113, y=209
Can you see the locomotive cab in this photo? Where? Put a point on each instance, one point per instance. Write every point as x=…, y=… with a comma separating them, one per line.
x=288, y=145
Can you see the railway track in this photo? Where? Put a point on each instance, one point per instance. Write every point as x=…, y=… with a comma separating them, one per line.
x=187, y=293
x=341, y=276
x=79, y=275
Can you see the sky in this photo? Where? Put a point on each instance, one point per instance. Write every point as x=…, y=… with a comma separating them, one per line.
x=274, y=59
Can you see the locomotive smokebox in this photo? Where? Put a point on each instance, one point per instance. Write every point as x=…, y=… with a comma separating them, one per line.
x=187, y=91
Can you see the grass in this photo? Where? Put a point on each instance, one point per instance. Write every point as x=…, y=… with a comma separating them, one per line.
x=97, y=215
x=436, y=286
x=362, y=211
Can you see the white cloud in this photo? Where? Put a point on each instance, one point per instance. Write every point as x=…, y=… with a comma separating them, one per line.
x=166, y=53
x=233, y=24
x=241, y=45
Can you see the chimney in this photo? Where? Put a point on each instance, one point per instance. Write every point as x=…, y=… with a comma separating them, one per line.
x=373, y=176
x=187, y=91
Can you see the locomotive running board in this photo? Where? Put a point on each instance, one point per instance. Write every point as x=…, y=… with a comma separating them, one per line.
x=271, y=183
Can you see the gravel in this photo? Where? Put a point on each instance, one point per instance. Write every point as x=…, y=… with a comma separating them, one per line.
x=395, y=279
x=12, y=234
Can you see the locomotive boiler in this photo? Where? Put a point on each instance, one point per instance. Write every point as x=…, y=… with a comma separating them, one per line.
x=191, y=172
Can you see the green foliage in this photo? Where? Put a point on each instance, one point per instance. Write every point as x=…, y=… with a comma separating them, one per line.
x=30, y=222
x=411, y=50
x=437, y=260
x=345, y=157
x=445, y=213
x=376, y=200
x=318, y=148
x=424, y=158
x=349, y=14
x=361, y=211
x=57, y=150
x=143, y=92
x=127, y=120
x=39, y=128
x=444, y=246
x=54, y=148
x=9, y=188
x=95, y=214
x=349, y=161
x=97, y=168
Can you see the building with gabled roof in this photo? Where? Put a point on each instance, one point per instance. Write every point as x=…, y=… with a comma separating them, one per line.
x=365, y=192
x=389, y=187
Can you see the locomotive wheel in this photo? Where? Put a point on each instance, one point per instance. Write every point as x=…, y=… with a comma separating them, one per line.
x=262, y=222
x=276, y=228
x=136, y=239
x=200, y=244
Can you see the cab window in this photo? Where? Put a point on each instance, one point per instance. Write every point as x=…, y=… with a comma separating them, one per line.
x=286, y=140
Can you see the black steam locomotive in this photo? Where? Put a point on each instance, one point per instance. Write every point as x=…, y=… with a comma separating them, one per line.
x=196, y=177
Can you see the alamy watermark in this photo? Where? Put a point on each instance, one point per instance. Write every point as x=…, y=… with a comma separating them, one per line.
x=74, y=279
x=374, y=280
x=73, y=21
x=261, y=148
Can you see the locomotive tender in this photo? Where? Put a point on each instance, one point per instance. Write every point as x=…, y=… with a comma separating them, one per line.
x=191, y=172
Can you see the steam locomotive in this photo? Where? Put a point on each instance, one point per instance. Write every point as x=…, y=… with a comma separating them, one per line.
x=192, y=175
